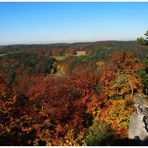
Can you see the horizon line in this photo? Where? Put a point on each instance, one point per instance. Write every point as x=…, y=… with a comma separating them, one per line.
x=13, y=44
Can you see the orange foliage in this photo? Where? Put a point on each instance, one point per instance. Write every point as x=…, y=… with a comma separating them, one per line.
x=118, y=115
x=59, y=109
x=120, y=63
x=51, y=106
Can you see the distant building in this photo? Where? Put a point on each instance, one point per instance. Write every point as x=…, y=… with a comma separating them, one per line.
x=80, y=53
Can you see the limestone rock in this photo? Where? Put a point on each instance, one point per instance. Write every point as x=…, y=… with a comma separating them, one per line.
x=138, y=127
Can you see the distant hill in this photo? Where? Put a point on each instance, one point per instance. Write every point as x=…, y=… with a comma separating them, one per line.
x=59, y=49
x=106, y=43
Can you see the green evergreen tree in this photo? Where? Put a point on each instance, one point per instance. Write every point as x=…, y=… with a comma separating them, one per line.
x=143, y=41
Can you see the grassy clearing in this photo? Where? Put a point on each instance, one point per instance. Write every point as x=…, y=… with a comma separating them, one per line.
x=59, y=58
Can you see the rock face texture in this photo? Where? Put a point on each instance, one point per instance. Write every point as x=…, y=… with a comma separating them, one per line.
x=138, y=127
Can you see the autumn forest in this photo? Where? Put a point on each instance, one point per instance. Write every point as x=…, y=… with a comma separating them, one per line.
x=76, y=94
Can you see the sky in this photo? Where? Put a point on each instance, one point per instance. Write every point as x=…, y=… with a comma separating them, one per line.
x=57, y=22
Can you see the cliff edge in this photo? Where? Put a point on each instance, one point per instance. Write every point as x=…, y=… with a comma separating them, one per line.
x=138, y=126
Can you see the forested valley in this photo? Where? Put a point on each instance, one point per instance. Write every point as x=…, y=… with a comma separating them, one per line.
x=78, y=94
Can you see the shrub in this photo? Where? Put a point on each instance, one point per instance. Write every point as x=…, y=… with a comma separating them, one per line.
x=99, y=135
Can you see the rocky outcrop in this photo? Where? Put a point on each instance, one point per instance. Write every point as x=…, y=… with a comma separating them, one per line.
x=138, y=127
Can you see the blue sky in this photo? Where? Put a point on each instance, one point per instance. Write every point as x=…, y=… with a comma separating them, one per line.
x=71, y=22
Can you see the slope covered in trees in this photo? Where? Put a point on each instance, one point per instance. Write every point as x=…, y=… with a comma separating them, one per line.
x=90, y=103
